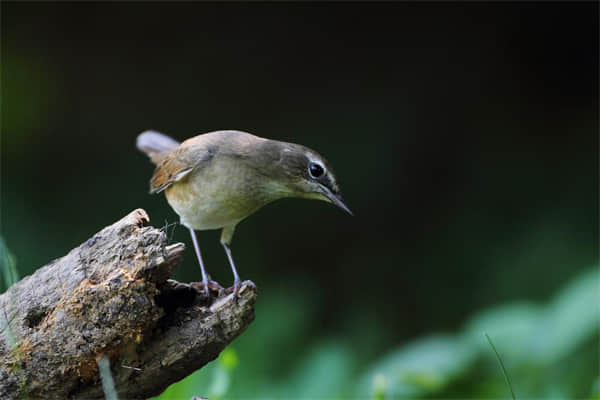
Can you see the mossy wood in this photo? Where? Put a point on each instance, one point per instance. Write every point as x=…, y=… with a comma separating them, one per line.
x=111, y=297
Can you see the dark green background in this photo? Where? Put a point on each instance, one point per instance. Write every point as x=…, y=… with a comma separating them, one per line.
x=464, y=137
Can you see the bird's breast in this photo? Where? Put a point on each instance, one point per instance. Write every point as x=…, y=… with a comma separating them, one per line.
x=217, y=196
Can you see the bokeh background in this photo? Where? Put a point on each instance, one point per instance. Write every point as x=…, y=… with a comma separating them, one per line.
x=464, y=137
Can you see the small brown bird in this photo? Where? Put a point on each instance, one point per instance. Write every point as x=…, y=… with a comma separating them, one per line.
x=217, y=179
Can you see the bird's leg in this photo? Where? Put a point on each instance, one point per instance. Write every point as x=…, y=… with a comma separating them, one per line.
x=226, y=236
x=204, y=276
x=236, y=278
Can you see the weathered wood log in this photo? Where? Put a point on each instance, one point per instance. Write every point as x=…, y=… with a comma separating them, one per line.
x=111, y=297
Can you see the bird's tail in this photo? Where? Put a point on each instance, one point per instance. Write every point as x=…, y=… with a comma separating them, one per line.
x=155, y=145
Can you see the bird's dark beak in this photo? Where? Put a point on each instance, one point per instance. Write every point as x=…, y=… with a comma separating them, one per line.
x=337, y=200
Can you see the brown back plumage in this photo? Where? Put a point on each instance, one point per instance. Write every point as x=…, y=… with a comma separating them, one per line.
x=163, y=151
x=174, y=161
x=178, y=164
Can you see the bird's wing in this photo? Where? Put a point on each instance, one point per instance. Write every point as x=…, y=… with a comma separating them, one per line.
x=180, y=163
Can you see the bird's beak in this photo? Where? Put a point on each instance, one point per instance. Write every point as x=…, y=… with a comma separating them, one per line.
x=337, y=200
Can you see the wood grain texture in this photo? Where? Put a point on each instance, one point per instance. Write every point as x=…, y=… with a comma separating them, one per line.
x=111, y=297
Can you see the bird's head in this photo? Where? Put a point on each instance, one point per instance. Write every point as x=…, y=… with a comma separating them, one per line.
x=306, y=174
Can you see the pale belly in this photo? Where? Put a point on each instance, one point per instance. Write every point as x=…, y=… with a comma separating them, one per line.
x=206, y=201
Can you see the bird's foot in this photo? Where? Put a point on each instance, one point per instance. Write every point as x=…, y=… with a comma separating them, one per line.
x=238, y=287
x=212, y=286
x=201, y=287
x=249, y=283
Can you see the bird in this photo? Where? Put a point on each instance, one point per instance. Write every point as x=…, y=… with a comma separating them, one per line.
x=215, y=180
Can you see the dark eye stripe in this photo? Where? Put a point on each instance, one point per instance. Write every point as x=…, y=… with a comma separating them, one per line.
x=315, y=170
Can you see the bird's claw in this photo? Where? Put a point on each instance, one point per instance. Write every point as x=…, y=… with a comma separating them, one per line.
x=249, y=283
x=212, y=286
x=237, y=287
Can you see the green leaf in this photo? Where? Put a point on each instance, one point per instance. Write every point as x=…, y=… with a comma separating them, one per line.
x=325, y=372
x=108, y=383
x=530, y=334
x=421, y=368
x=570, y=319
x=502, y=368
x=229, y=358
x=595, y=395
x=10, y=275
x=512, y=327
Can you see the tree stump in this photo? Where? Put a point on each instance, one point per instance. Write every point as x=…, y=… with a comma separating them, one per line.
x=112, y=297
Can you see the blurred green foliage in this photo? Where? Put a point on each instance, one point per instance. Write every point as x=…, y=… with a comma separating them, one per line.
x=9, y=274
x=108, y=383
x=8, y=264
x=549, y=350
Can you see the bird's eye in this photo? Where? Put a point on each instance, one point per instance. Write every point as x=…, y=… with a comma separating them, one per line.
x=315, y=170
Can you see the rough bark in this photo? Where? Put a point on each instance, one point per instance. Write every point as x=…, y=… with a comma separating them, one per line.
x=111, y=297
